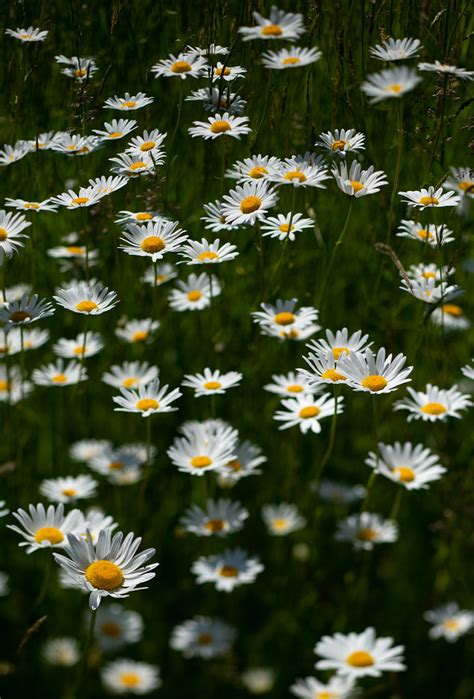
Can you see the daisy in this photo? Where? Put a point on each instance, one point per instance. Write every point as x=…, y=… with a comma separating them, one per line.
x=148, y=142
x=152, y=240
x=200, y=451
x=199, y=253
x=147, y=399
x=324, y=370
x=468, y=370
x=339, y=493
x=139, y=217
x=130, y=677
x=390, y=83
x=396, y=49
x=214, y=100
x=25, y=311
x=365, y=530
x=305, y=170
x=258, y=680
x=184, y=65
x=376, y=374
x=429, y=290
x=227, y=570
x=450, y=316
x=129, y=102
x=79, y=68
x=215, y=219
x=58, y=374
x=116, y=129
x=219, y=518
x=46, y=528
x=107, y=185
x=3, y=511
x=42, y=141
x=296, y=332
x=245, y=462
x=341, y=141
x=306, y=411
x=120, y=465
x=11, y=236
x=87, y=298
x=284, y=316
x=137, y=330
x=12, y=387
x=280, y=25
x=434, y=403
x=164, y=273
x=15, y=292
x=209, y=428
x=74, y=144
x=427, y=198
x=287, y=385
x=136, y=165
x=12, y=154
x=255, y=168
x=202, y=637
x=130, y=374
x=94, y=521
x=220, y=125
x=224, y=72
x=357, y=182
x=36, y=206
x=211, y=50
x=410, y=466
x=195, y=293
x=211, y=382
x=356, y=655
x=290, y=58
x=87, y=449
x=461, y=181
x=68, y=489
x=449, y=621
x=84, y=345
x=438, y=67
x=62, y=651
x=109, y=567
x=86, y=196
x=429, y=271
x=432, y=235
x=336, y=688
x=116, y=626
x=340, y=343
x=28, y=35
x=282, y=519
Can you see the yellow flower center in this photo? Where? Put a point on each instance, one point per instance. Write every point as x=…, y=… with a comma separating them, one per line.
x=451, y=624
x=130, y=679
x=258, y=172
x=396, y=88
x=147, y=404
x=131, y=381
x=200, y=461
x=234, y=465
x=115, y=134
x=296, y=175
x=295, y=388
x=309, y=411
x=104, y=575
x=140, y=335
x=356, y=186
x=220, y=71
x=271, y=30
x=212, y=385
x=429, y=201
x=280, y=524
x=466, y=185
x=215, y=525
x=374, y=383
x=285, y=227
x=338, y=145
x=291, y=61
x=333, y=375
x=220, y=126
x=4, y=385
x=366, y=534
x=404, y=473
x=59, y=378
x=3, y=234
x=181, y=67
x=51, y=534
x=80, y=350
x=205, y=639
x=194, y=295
x=80, y=72
x=424, y=235
x=80, y=200
x=110, y=629
x=208, y=255
x=434, y=409
x=129, y=104
x=25, y=36
x=360, y=658
x=19, y=316
x=76, y=250
x=284, y=318
x=429, y=275
x=327, y=695
x=144, y=216
x=337, y=351
x=228, y=572
x=452, y=310
x=86, y=306
x=250, y=204
x=116, y=466
x=32, y=205
x=152, y=243
x=69, y=492
x=148, y=145
x=139, y=165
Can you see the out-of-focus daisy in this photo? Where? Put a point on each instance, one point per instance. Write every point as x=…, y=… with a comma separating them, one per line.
x=128, y=102
x=427, y=233
x=62, y=651
x=74, y=252
x=287, y=385
x=221, y=125
x=43, y=528
x=257, y=167
x=335, y=688
x=323, y=369
x=137, y=330
x=36, y=206
x=341, y=142
x=130, y=374
x=211, y=50
x=429, y=271
x=283, y=315
x=42, y=141
x=203, y=253
x=340, y=493
x=429, y=290
x=164, y=272
x=215, y=100
x=468, y=370
x=78, y=67
x=199, y=451
x=84, y=197
x=357, y=182
x=280, y=25
x=12, y=386
x=4, y=584
x=81, y=346
x=130, y=677
x=136, y=165
x=15, y=292
x=87, y=449
x=25, y=311
x=396, y=49
x=282, y=519
x=215, y=218
x=220, y=518
x=366, y=529
x=195, y=293
x=212, y=382
x=434, y=403
x=258, y=680
x=460, y=181
x=107, y=185
x=4, y=511
x=445, y=69
x=227, y=570
x=116, y=129
x=202, y=637
x=11, y=236
x=306, y=411
x=449, y=621
x=152, y=240
x=411, y=466
x=59, y=374
x=110, y=566
x=245, y=462
x=74, y=144
x=376, y=374
x=121, y=466
x=306, y=170
x=394, y=82
x=139, y=217
x=87, y=298
x=340, y=343
x=147, y=399
x=431, y=197
x=68, y=489
x=290, y=58
x=184, y=65
x=28, y=35
x=12, y=154
x=450, y=316
x=226, y=73
x=116, y=626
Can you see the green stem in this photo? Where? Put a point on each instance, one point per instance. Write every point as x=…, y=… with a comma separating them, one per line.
x=332, y=435
x=396, y=504
x=333, y=254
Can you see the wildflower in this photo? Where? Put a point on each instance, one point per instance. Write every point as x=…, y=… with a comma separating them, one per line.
x=184, y=65
x=290, y=58
x=280, y=25
x=130, y=374
x=427, y=198
x=306, y=170
x=87, y=298
x=445, y=69
x=25, y=311
x=204, y=253
x=152, y=240
x=130, y=677
x=282, y=519
x=147, y=399
x=11, y=235
x=341, y=142
x=31, y=34
x=116, y=626
x=219, y=518
x=82, y=346
x=449, y=621
x=394, y=82
x=411, y=466
x=116, y=129
x=199, y=451
x=62, y=651
x=43, y=528
x=59, y=374
x=396, y=49
x=137, y=330
x=68, y=489
x=357, y=182
x=430, y=234
x=227, y=570
x=376, y=374
x=220, y=125
x=306, y=411
x=434, y=403
x=202, y=637
x=287, y=385
x=195, y=293
x=128, y=102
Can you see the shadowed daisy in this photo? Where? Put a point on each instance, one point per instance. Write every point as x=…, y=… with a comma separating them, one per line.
x=390, y=83
x=128, y=102
x=59, y=374
x=28, y=35
x=202, y=637
x=282, y=519
x=449, y=621
x=396, y=49
x=219, y=518
x=68, y=489
x=28, y=310
x=130, y=374
x=227, y=570
x=62, y=651
x=116, y=129
x=290, y=58
x=215, y=219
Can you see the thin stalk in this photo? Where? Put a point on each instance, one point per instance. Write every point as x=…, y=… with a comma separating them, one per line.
x=333, y=254
x=332, y=435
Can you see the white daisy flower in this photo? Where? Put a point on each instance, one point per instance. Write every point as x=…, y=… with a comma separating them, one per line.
x=128, y=102
x=411, y=466
x=116, y=129
x=147, y=399
x=165, y=272
x=296, y=332
x=341, y=142
x=287, y=385
x=219, y=518
x=130, y=677
x=430, y=271
x=93, y=522
x=245, y=462
x=82, y=346
x=30, y=34
x=449, y=621
x=340, y=343
x=323, y=370
x=257, y=167
x=10, y=342
x=211, y=50
x=59, y=374
x=434, y=403
x=461, y=181
x=25, y=311
x=87, y=449
x=224, y=72
x=74, y=144
x=139, y=217
x=427, y=198
x=429, y=290
x=200, y=451
x=215, y=219
x=11, y=235
x=468, y=370
x=428, y=233
x=87, y=298
x=203, y=253
x=79, y=68
x=15, y=292
x=220, y=125
x=445, y=69
x=394, y=82
x=375, y=374
x=339, y=493
x=335, y=688
x=108, y=185
x=130, y=374
x=195, y=293
x=184, y=65
x=290, y=58
x=74, y=252
x=215, y=100
x=12, y=387
x=258, y=680
x=282, y=519
x=227, y=570
x=283, y=315
x=202, y=637
x=149, y=142
x=68, y=489
x=280, y=25
x=36, y=206
x=116, y=626
x=212, y=382
x=450, y=316
x=308, y=170
x=46, y=528
x=306, y=411
x=42, y=141
x=136, y=165
x=3, y=510
x=62, y=651
x=84, y=197
x=137, y=330
x=12, y=154
x=396, y=49
x=357, y=182
x=152, y=240
x=121, y=466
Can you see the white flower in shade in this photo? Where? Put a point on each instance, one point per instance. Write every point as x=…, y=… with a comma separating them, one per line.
x=396, y=49
x=428, y=233
x=79, y=68
x=35, y=206
x=4, y=511
x=215, y=100
x=93, y=522
x=42, y=141
x=411, y=466
x=74, y=144
x=258, y=167
x=258, y=680
x=282, y=519
x=12, y=387
x=108, y=185
x=81, y=346
x=341, y=142
x=30, y=34
x=323, y=369
x=139, y=217
x=184, y=65
x=220, y=125
x=450, y=316
x=87, y=298
x=298, y=333
x=136, y=165
x=375, y=373
x=122, y=466
x=340, y=343
x=449, y=621
x=201, y=450
x=11, y=235
x=394, y=82
x=12, y=154
x=284, y=226
x=434, y=403
x=203, y=253
x=468, y=370
x=283, y=315
x=87, y=449
x=152, y=240
x=306, y=411
x=280, y=25
x=59, y=374
x=431, y=197
x=137, y=330
x=287, y=385
x=165, y=272
x=219, y=518
x=290, y=58
x=195, y=293
x=429, y=290
x=429, y=271
x=245, y=462
x=202, y=637
x=357, y=182
x=68, y=489
x=4, y=584
x=461, y=181
x=215, y=219
x=308, y=170
x=62, y=651
x=211, y=50
x=74, y=252
x=27, y=310
x=130, y=374
x=366, y=529
x=225, y=72
x=108, y=566
x=335, y=688
x=116, y=129
x=147, y=399
x=443, y=68
x=116, y=626
x=356, y=655
x=227, y=570
x=209, y=428
x=211, y=382
x=340, y=493
x=130, y=677
x=84, y=197
x=46, y=528
x=15, y=292
x=128, y=102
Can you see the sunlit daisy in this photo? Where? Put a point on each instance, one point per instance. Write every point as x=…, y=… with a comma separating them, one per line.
x=449, y=621
x=116, y=129
x=284, y=315
x=140, y=217
x=152, y=240
x=202, y=637
x=35, y=206
x=394, y=82
x=43, y=528
x=282, y=519
x=375, y=373
x=30, y=34
x=428, y=233
x=308, y=170
x=12, y=154
x=357, y=182
x=287, y=385
x=428, y=198
x=211, y=50
x=137, y=330
x=460, y=181
x=195, y=293
x=203, y=253
x=225, y=72
x=184, y=65
x=306, y=411
x=116, y=626
x=147, y=399
x=396, y=49
x=42, y=141
x=219, y=518
x=221, y=125
x=450, y=316
x=290, y=58
x=340, y=343
x=68, y=489
x=128, y=102
x=87, y=298
x=136, y=165
x=411, y=466
x=11, y=235
x=257, y=167
x=62, y=651
x=84, y=197
x=149, y=142
x=59, y=374
x=164, y=273
x=107, y=185
x=445, y=69
x=341, y=142
x=429, y=290
x=429, y=271
x=227, y=570
x=212, y=382
x=280, y=25
x=434, y=403
x=200, y=451
x=130, y=374
x=74, y=144
x=81, y=346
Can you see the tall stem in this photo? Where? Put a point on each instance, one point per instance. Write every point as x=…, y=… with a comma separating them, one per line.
x=333, y=254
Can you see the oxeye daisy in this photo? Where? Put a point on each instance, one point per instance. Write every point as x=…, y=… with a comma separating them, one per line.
x=434, y=403
x=12, y=154
x=130, y=374
x=116, y=626
x=12, y=386
x=84, y=197
x=283, y=315
x=137, y=330
x=147, y=399
x=257, y=167
x=460, y=181
x=468, y=370
x=215, y=100
x=11, y=235
x=431, y=197
x=357, y=182
x=25, y=311
x=340, y=493
x=282, y=519
x=116, y=129
x=107, y=185
x=450, y=316
x=200, y=451
x=290, y=58
x=202, y=637
x=394, y=82
x=211, y=50
x=152, y=240
x=3, y=512
x=245, y=462
x=212, y=382
x=128, y=102
x=87, y=449
x=68, y=489
x=396, y=49
x=15, y=292
x=280, y=25
x=429, y=233
x=306, y=411
x=449, y=621
x=36, y=206
x=78, y=253
x=287, y=385
x=226, y=73
x=42, y=141
x=227, y=570
x=258, y=680
x=410, y=466
x=341, y=142
x=340, y=343
x=203, y=253
x=43, y=528
x=94, y=522
x=121, y=466
x=62, y=651
x=87, y=298
x=429, y=271
x=140, y=217
x=195, y=293
x=82, y=346
x=136, y=165
x=109, y=566
x=429, y=289
x=184, y=65
x=149, y=142
x=323, y=369
x=59, y=374
x=220, y=125
x=219, y=518
x=356, y=655
x=78, y=68
x=445, y=69
x=308, y=170
x=74, y=144
x=335, y=688
x=375, y=374
x=163, y=273
x=28, y=35
x=215, y=218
